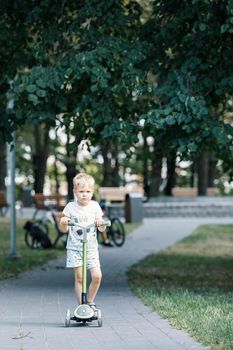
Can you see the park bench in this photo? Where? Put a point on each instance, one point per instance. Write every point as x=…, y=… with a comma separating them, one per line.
x=3, y=203
x=117, y=194
x=48, y=202
x=191, y=191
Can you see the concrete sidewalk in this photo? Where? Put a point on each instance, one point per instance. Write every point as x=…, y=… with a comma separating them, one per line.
x=33, y=306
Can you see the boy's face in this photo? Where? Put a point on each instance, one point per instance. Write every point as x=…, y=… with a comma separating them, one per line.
x=83, y=193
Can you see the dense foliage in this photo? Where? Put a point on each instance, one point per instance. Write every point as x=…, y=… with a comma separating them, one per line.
x=191, y=59
x=101, y=67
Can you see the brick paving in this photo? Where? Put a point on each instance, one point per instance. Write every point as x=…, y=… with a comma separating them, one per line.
x=33, y=306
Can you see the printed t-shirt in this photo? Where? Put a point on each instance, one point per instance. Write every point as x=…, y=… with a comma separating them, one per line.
x=85, y=215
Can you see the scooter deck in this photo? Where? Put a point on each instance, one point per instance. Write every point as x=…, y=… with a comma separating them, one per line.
x=84, y=321
x=93, y=318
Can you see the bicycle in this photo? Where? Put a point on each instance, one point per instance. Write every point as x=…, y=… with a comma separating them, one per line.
x=116, y=231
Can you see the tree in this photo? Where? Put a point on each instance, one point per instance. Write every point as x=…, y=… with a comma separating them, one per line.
x=92, y=65
x=83, y=63
x=192, y=65
x=14, y=54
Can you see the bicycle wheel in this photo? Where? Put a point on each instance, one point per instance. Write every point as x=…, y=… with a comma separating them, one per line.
x=117, y=232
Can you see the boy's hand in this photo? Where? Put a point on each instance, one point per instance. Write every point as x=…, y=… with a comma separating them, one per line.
x=64, y=222
x=99, y=224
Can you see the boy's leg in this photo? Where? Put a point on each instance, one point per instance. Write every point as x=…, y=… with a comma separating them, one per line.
x=96, y=276
x=78, y=282
x=106, y=241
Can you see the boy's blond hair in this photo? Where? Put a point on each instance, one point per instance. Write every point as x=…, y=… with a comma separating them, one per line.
x=83, y=179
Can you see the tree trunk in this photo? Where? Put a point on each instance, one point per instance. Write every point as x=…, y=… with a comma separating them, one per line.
x=71, y=171
x=40, y=156
x=56, y=177
x=155, y=176
x=107, y=178
x=171, y=174
x=2, y=167
x=145, y=170
x=146, y=187
x=202, y=174
x=111, y=166
x=71, y=164
x=115, y=165
x=211, y=170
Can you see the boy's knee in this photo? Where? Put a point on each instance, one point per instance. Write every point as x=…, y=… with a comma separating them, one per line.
x=97, y=278
x=78, y=279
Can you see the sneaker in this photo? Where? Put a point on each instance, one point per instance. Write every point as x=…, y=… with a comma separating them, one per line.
x=93, y=306
x=108, y=243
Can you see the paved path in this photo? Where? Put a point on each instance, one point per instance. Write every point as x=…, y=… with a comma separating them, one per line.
x=33, y=306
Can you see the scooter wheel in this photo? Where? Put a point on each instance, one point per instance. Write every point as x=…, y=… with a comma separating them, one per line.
x=67, y=320
x=99, y=318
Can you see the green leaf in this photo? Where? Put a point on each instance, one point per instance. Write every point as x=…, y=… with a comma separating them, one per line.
x=182, y=97
x=170, y=120
x=103, y=83
x=33, y=98
x=69, y=71
x=31, y=88
x=202, y=27
x=167, y=110
x=192, y=147
x=41, y=83
x=94, y=87
x=224, y=28
x=41, y=93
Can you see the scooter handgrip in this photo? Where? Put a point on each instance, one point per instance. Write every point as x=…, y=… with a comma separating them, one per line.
x=71, y=223
x=106, y=223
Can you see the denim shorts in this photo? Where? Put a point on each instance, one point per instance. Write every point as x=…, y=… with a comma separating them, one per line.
x=74, y=258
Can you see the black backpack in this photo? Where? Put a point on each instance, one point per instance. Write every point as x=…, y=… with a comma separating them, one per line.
x=38, y=235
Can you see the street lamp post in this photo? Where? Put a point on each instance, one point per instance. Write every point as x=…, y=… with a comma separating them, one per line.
x=11, y=175
x=11, y=169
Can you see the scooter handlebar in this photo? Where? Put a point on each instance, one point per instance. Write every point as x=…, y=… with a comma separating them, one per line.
x=105, y=223
x=74, y=223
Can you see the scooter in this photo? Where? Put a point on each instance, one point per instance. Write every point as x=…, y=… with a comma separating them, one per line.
x=84, y=313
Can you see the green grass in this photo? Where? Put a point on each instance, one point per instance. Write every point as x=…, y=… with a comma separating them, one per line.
x=29, y=258
x=129, y=228
x=191, y=285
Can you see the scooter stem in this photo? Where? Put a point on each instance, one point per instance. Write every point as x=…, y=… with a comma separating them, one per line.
x=84, y=273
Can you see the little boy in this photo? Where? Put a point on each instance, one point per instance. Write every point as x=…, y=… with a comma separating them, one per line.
x=86, y=211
